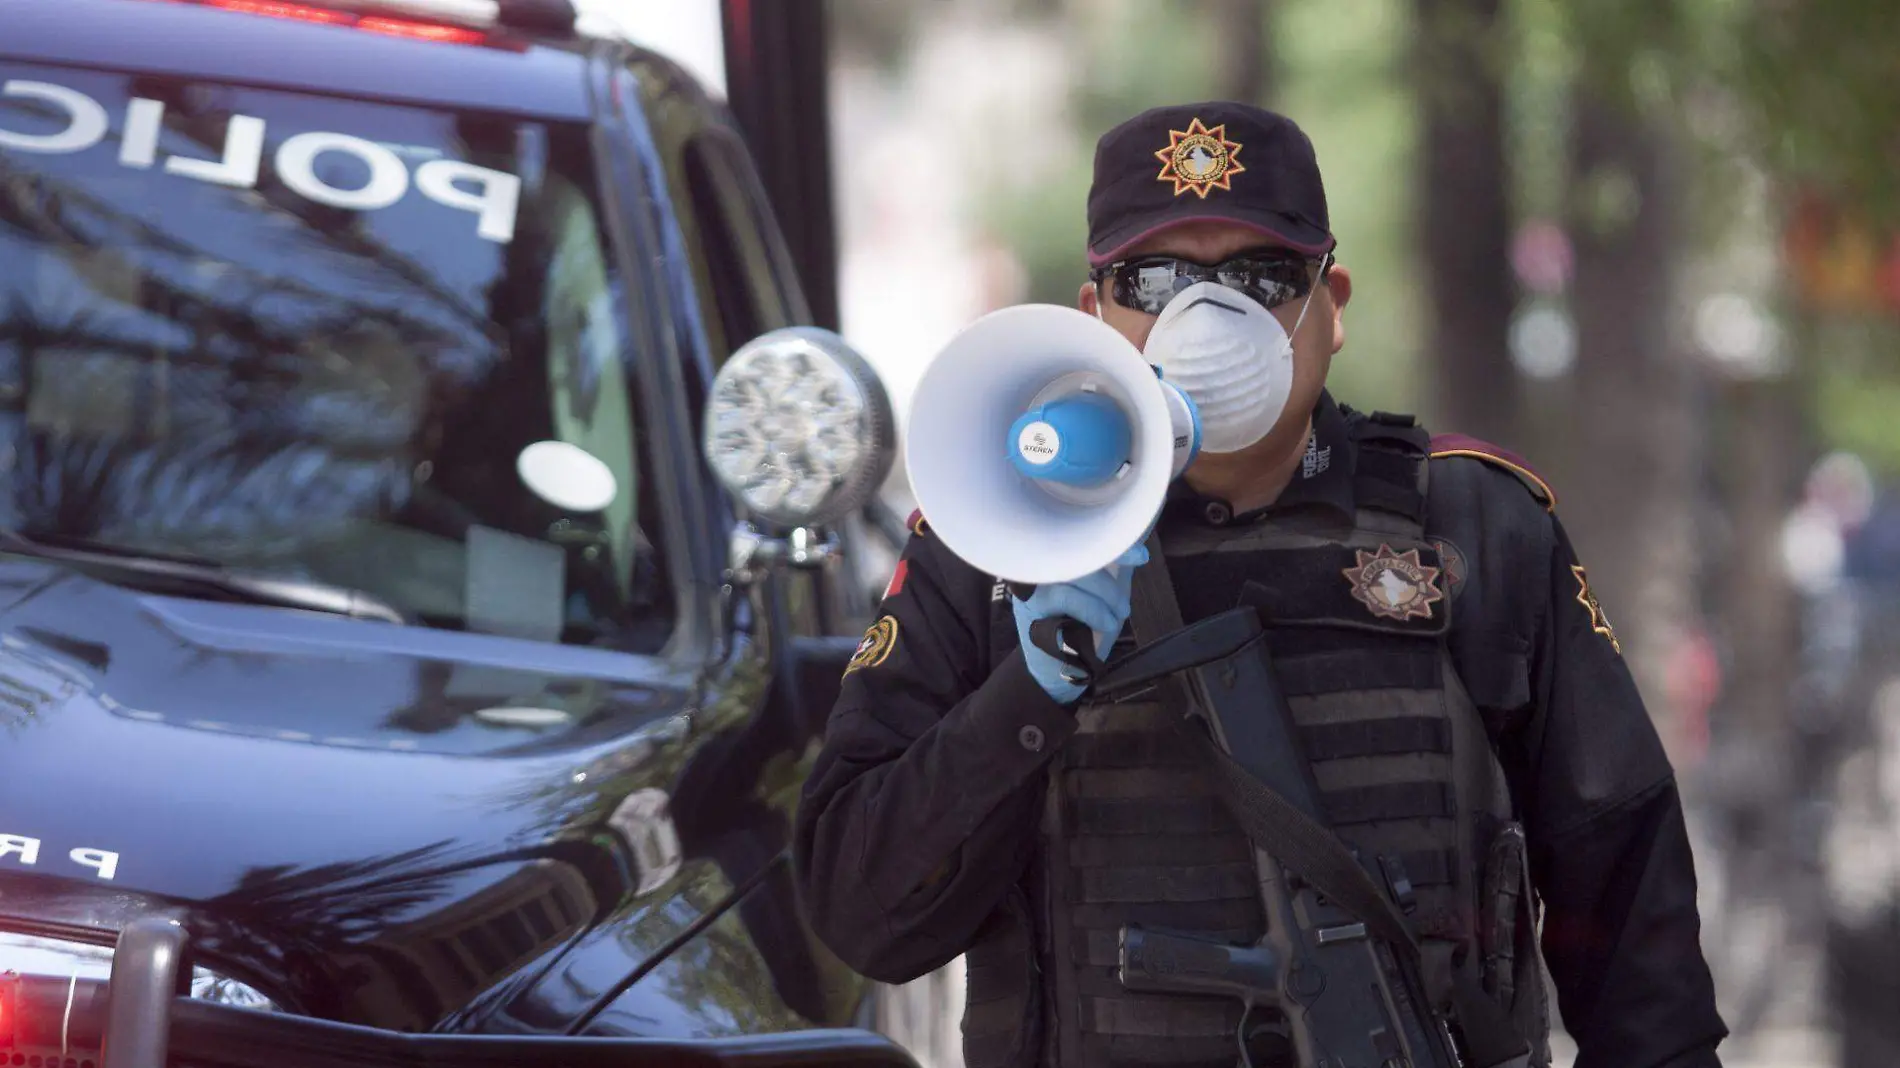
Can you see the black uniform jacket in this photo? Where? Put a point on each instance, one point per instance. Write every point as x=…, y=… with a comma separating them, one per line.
x=922, y=809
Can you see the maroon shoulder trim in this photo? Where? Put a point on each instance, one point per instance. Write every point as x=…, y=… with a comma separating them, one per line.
x=917, y=523
x=1447, y=445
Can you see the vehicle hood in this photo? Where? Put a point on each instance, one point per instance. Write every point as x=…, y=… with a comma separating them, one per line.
x=320, y=794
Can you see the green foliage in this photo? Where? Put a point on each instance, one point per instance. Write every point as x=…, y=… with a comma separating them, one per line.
x=1818, y=79
x=1803, y=88
x=1853, y=410
x=1856, y=389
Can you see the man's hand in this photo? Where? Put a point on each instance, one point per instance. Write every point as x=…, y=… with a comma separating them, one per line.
x=1099, y=601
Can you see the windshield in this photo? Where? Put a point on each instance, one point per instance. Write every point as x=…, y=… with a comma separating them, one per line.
x=352, y=343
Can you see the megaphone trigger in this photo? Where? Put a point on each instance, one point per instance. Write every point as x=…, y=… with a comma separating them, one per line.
x=1069, y=641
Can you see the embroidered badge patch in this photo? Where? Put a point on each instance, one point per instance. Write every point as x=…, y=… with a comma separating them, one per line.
x=1394, y=585
x=1599, y=622
x=1455, y=567
x=1199, y=159
x=876, y=646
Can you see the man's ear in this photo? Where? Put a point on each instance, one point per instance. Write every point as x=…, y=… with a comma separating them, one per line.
x=1339, y=286
x=1339, y=280
x=1087, y=300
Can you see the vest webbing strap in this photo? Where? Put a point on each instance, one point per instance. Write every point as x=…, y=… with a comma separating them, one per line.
x=1393, y=801
x=1163, y=882
x=1376, y=737
x=1191, y=815
x=1187, y=850
x=1323, y=741
x=1180, y=815
x=1317, y=674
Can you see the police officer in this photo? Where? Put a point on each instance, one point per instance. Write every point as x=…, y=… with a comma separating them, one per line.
x=1457, y=688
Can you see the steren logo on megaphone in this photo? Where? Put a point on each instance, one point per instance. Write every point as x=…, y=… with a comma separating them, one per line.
x=1047, y=444
x=1038, y=443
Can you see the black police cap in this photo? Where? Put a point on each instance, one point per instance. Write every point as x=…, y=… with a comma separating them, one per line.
x=1213, y=160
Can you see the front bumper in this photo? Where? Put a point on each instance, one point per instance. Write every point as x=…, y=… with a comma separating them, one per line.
x=142, y=1016
x=73, y=962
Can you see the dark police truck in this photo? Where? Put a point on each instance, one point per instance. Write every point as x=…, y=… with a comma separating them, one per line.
x=431, y=534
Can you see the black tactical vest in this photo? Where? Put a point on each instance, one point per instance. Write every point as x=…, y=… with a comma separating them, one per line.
x=1134, y=833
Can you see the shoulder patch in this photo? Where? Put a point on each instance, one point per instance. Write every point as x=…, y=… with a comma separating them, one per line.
x=876, y=646
x=1449, y=445
x=917, y=523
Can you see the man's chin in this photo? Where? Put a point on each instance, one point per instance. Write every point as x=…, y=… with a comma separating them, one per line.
x=1262, y=453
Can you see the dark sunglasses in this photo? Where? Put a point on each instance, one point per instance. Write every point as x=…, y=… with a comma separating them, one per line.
x=1148, y=283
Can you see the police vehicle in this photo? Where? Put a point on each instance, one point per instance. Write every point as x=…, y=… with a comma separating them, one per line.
x=427, y=531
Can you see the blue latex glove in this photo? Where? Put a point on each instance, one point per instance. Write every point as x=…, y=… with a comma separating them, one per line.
x=1100, y=601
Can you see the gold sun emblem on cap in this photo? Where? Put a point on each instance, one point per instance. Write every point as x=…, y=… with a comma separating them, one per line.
x=1198, y=159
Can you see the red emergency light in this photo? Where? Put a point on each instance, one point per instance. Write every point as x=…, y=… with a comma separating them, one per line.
x=9, y=999
x=414, y=29
x=421, y=31
x=276, y=10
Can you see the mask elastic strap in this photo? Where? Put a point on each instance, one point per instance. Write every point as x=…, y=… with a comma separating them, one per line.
x=1305, y=304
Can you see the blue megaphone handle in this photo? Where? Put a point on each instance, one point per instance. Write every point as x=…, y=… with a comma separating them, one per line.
x=1080, y=440
x=1193, y=416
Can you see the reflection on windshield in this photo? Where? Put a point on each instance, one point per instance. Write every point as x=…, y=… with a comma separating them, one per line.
x=312, y=338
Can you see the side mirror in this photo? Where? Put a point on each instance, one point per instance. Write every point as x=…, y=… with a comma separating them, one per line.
x=799, y=430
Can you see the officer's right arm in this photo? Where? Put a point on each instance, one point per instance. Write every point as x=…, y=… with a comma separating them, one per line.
x=922, y=808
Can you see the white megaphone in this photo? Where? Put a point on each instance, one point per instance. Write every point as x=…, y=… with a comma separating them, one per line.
x=1041, y=443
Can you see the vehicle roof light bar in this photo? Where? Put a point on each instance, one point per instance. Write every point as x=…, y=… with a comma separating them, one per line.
x=443, y=21
x=542, y=16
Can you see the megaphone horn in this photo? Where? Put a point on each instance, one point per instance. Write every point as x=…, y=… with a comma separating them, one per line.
x=1040, y=444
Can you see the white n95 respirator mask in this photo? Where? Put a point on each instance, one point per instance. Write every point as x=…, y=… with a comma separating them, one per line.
x=1230, y=356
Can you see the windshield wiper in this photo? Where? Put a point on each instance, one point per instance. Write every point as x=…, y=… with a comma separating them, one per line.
x=201, y=574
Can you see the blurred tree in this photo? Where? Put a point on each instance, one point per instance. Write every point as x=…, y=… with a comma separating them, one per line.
x=874, y=31
x=1462, y=215
x=1629, y=471
x=1240, y=27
